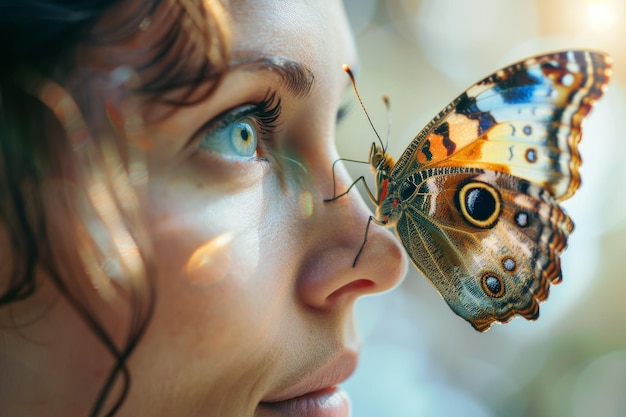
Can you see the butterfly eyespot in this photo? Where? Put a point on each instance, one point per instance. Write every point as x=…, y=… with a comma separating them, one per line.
x=509, y=264
x=492, y=285
x=528, y=130
x=521, y=219
x=480, y=204
x=531, y=155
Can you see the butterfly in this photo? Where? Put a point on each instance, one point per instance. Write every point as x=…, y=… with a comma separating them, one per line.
x=474, y=198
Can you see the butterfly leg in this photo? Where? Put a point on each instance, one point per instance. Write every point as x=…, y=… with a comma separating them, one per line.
x=370, y=195
x=367, y=228
x=335, y=197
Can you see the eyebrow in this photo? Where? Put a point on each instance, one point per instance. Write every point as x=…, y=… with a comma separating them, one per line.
x=297, y=77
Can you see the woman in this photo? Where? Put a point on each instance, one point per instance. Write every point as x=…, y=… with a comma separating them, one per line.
x=166, y=250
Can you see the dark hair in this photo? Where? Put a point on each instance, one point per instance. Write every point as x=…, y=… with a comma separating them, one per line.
x=44, y=39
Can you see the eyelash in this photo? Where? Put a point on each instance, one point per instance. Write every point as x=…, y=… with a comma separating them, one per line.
x=267, y=113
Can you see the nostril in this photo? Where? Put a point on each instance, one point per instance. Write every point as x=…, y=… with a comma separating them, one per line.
x=357, y=287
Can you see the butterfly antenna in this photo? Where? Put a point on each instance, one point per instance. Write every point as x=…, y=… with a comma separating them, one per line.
x=347, y=69
x=388, y=107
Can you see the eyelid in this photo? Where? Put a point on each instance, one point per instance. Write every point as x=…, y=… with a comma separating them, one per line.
x=226, y=118
x=265, y=112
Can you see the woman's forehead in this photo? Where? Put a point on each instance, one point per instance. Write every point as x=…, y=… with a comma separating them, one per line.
x=311, y=32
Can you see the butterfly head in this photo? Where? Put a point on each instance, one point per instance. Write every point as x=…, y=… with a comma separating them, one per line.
x=380, y=160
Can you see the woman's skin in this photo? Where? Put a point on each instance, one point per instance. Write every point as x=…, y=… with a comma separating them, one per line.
x=255, y=283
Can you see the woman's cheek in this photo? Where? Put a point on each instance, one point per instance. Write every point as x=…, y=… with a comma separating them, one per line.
x=209, y=237
x=207, y=249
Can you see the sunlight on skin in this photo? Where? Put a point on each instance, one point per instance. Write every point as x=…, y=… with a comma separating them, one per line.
x=306, y=204
x=210, y=262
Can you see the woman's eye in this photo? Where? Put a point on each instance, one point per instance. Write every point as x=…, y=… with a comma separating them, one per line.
x=236, y=133
x=236, y=139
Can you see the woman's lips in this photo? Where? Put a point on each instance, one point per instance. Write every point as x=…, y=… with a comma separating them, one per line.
x=317, y=394
x=329, y=402
x=326, y=376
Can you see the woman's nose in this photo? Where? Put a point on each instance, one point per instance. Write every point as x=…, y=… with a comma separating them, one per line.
x=329, y=276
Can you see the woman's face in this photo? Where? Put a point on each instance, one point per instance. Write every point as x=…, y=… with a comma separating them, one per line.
x=254, y=276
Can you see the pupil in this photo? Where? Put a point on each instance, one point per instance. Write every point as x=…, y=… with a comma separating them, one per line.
x=244, y=134
x=480, y=204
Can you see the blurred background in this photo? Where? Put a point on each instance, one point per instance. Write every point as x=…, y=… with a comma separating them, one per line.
x=418, y=358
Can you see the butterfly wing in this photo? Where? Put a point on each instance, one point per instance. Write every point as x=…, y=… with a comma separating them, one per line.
x=474, y=196
x=488, y=241
x=524, y=120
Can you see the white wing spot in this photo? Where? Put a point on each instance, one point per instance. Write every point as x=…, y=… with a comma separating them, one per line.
x=567, y=80
x=509, y=264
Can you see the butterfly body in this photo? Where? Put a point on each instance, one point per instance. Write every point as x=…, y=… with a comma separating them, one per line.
x=474, y=197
